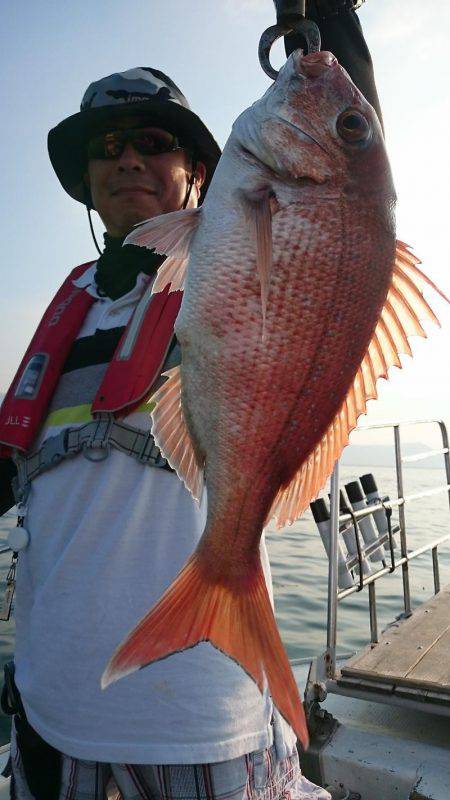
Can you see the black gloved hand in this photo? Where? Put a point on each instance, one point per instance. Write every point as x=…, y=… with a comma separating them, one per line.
x=342, y=35
x=324, y=9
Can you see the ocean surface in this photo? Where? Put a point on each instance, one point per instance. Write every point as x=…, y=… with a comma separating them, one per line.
x=299, y=566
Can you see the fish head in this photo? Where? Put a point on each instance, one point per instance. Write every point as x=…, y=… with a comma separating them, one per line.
x=313, y=128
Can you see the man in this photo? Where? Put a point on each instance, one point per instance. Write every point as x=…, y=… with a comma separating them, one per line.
x=107, y=536
x=104, y=524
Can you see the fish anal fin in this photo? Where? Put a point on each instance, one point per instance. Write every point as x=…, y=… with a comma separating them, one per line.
x=237, y=620
x=170, y=235
x=401, y=316
x=172, y=436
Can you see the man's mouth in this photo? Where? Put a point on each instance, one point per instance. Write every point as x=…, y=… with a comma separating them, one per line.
x=133, y=190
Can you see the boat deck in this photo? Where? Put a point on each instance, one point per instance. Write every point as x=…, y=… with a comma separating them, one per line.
x=411, y=657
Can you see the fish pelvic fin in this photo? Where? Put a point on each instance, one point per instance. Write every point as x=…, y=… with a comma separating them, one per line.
x=405, y=308
x=170, y=235
x=172, y=436
x=238, y=622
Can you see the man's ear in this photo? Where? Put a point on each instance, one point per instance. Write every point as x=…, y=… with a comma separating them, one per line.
x=87, y=191
x=200, y=174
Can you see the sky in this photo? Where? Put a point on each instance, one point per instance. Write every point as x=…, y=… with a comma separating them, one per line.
x=51, y=51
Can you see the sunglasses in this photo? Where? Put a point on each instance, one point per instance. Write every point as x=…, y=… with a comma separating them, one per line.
x=147, y=141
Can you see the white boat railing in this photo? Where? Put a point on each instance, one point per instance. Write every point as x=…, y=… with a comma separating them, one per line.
x=328, y=667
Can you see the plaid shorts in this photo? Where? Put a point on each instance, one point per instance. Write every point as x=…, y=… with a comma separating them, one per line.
x=257, y=776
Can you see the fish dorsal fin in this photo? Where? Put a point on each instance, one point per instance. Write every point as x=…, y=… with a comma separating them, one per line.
x=170, y=235
x=171, y=434
x=404, y=309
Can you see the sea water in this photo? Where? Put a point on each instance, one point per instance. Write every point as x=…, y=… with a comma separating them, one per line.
x=300, y=572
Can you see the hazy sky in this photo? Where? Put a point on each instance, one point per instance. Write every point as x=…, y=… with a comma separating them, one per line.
x=52, y=50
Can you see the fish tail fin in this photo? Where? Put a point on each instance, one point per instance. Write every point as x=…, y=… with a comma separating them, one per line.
x=240, y=623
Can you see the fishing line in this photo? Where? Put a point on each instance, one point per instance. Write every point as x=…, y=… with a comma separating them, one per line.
x=191, y=182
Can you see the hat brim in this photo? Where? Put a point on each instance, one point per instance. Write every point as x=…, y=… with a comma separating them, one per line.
x=67, y=142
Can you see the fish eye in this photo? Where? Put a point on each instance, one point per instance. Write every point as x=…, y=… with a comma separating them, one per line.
x=352, y=126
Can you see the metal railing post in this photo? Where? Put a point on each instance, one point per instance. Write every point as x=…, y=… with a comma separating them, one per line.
x=436, y=577
x=445, y=446
x=373, y=614
x=434, y=552
x=401, y=516
x=333, y=575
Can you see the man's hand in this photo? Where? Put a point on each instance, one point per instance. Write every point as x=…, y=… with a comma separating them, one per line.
x=323, y=9
x=341, y=34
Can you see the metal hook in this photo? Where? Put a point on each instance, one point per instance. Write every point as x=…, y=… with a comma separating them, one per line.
x=303, y=27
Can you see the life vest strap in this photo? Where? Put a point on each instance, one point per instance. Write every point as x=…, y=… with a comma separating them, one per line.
x=94, y=440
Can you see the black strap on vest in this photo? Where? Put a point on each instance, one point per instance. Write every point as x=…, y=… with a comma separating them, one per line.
x=42, y=764
x=8, y=472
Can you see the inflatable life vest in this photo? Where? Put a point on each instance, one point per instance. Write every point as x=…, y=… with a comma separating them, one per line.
x=135, y=365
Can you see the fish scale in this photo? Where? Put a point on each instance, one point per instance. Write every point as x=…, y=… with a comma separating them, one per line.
x=297, y=298
x=290, y=283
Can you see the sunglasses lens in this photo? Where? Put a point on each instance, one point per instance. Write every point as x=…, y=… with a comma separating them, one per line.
x=113, y=144
x=106, y=145
x=152, y=142
x=147, y=141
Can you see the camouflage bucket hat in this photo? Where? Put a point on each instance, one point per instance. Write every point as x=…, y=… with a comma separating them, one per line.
x=144, y=91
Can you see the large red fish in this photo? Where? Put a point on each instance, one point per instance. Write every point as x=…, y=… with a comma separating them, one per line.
x=297, y=299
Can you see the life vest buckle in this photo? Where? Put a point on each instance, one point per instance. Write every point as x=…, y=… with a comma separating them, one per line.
x=96, y=451
x=54, y=449
x=98, y=447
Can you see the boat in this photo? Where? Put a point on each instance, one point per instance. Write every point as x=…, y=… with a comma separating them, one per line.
x=379, y=718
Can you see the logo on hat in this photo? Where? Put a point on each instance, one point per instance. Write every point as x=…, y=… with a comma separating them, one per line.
x=162, y=94
x=134, y=85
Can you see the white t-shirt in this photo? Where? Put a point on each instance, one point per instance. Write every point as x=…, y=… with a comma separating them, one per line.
x=106, y=539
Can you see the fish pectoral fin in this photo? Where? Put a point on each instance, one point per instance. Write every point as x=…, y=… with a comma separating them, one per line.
x=172, y=436
x=404, y=309
x=170, y=235
x=197, y=608
x=261, y=217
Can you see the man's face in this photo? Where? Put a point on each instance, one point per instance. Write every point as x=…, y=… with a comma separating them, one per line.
x=134, y=187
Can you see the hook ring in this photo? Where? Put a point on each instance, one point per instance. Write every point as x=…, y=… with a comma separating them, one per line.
x=305, y=27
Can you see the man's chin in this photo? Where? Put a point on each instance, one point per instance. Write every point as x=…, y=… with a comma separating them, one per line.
x=133, y=217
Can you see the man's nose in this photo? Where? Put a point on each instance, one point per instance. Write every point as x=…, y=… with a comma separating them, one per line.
x=130, y=160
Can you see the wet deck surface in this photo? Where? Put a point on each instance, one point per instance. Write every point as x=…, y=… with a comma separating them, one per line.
x=413, y=653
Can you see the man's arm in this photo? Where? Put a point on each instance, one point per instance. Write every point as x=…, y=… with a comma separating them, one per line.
x=7, y=472
x=341, y=33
